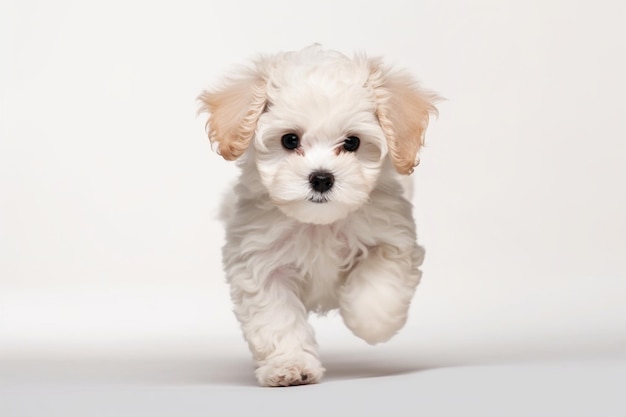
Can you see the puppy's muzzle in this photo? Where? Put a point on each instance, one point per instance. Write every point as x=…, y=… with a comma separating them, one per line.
x=321, y=181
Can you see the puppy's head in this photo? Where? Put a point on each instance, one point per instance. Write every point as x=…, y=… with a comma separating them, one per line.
x=319, y=127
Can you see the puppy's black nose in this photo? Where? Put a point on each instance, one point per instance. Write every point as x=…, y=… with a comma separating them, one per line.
x=321, y=181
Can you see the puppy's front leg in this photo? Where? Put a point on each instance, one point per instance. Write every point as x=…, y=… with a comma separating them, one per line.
x=274, y=323
x=374, y=302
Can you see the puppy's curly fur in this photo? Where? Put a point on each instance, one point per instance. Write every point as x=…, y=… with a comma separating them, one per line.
x=320, y=219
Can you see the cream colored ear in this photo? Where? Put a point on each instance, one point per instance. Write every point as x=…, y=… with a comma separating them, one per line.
x=403, y=111
x=234, y=111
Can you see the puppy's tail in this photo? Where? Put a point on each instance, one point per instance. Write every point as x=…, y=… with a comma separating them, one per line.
x=406, y=181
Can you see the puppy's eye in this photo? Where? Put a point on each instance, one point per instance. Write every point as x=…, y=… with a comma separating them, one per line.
x=290, y=141
x=351, y=143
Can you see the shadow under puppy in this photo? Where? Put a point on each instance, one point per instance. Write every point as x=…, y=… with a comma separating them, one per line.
x=320, y=219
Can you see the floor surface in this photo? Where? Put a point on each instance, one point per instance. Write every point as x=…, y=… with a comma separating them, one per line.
x=368, y=381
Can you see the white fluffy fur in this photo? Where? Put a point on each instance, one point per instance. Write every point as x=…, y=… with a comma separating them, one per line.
x=285, y=255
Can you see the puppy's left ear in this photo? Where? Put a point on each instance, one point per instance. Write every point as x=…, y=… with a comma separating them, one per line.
x=234, y=111
x=403, y=110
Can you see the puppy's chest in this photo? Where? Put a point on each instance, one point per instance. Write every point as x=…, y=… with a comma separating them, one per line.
x=322, y=256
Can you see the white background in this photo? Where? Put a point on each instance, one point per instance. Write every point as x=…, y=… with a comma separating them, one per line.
x=110, y=251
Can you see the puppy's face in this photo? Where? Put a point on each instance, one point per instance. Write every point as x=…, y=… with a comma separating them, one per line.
x=319, y=149
x=319, y=127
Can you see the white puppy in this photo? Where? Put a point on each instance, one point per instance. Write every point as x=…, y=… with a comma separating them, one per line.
x=319, y=220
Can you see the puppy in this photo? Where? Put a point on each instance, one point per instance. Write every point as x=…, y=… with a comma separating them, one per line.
x=319, y=219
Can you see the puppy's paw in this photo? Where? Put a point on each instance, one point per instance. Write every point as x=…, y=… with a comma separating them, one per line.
x=285, y=370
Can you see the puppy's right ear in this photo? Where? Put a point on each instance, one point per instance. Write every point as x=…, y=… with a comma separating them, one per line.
x=234, y=111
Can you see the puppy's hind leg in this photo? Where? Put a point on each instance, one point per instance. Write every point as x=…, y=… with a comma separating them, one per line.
x=374, y=302
x=274, y=323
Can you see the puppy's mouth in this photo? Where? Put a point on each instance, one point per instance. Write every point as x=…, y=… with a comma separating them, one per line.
x=319, y=199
